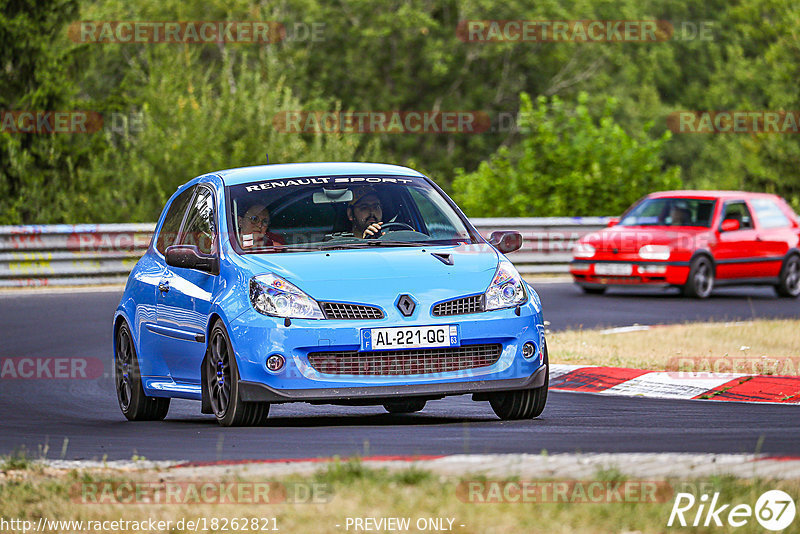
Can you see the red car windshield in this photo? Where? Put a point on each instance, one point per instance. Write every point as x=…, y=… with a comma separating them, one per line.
x=671, y=212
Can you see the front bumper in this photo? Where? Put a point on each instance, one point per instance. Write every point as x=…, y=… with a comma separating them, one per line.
x=255, y=337
x=256, y=392
x=625, y=272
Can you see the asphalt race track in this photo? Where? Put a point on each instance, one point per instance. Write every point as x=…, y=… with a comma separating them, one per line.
x=35, y=413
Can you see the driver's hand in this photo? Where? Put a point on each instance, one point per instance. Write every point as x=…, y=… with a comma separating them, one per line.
x=373, y=230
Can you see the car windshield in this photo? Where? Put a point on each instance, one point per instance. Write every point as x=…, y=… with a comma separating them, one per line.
x=671, y=212
x=341, y=212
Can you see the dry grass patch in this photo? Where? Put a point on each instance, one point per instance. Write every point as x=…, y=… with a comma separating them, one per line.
x=354, y=490
x=767, y=346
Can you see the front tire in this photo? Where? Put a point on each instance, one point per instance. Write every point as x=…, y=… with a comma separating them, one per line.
x=789, y=282
x=701, y=279
x=135, y=405
x=406, y=406
x=525, y=403
x=222, y=380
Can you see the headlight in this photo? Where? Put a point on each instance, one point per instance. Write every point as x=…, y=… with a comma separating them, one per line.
x=507, y=289
x=654, y=252
x=583, y=250
x=272, y=295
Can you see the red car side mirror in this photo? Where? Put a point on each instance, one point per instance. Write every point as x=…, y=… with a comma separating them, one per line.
x=612, y=221
x=729, y=225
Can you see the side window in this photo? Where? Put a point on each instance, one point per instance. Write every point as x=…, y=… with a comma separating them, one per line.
x=200, y=229
x=768, y=213
x=172, y=221
x=738, y=210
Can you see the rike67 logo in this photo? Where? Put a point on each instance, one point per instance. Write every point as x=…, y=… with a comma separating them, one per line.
x=774, y=510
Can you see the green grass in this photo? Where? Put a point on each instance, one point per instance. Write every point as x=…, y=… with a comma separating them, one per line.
x=750, y=347
x=356, y=490
x=353, y=470
x=16, y=461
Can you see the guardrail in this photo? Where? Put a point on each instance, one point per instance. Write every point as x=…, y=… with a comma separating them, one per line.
x=546, y=241
x=92, y=254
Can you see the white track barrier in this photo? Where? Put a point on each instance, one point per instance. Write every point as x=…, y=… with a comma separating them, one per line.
x=92, y=254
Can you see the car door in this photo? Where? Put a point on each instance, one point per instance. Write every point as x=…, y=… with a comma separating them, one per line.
x=775, y=233
x=184, y=295
x=739, y=253
x=150, y=273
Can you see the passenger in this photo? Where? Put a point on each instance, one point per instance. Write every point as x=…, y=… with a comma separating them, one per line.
x=253, y=229
x=365, y=212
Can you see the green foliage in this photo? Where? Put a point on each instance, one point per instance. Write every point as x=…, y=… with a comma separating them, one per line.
x=17, y=460
x=33, y=76
x=171, y=112
x=567, y=163
x=212, y=106
x=194, y=121
x=751, y=64
x=345, y=472
x=353, y=471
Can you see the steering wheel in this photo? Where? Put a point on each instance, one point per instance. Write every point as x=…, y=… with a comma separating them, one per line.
x=396, y=226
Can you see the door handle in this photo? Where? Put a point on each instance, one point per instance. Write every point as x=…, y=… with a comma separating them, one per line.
x=163, y=287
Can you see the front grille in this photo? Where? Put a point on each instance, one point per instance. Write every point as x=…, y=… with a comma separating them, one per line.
x=405, y=362
x=337, y=310
x=459, y=306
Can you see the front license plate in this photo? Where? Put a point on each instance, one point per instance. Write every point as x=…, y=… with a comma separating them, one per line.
x=613, y=269
x=410, y=337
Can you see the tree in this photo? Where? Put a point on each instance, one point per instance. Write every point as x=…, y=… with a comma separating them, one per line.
x=211, y=105
x=191, y=120
x=35, y=169
x=567, y=163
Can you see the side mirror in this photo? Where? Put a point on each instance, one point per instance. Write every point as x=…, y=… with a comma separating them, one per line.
x=190, y=257
x=612, y=221
x=506, y=241
x=729, y=225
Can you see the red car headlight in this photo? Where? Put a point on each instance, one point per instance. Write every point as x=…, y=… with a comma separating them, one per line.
x=654, y=252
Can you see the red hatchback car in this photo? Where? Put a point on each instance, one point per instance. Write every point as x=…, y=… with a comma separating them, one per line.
x=694, y=240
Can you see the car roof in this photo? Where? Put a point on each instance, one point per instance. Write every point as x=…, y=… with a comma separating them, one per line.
x=708, y=194
x=245, y=175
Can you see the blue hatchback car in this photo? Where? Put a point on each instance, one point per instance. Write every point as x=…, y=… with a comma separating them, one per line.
x=327, y=283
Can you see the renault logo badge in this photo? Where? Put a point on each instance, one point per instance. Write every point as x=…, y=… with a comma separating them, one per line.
x=406, y=305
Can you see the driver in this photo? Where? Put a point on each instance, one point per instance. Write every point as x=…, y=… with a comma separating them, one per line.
x=680, y=216
x=365, y=212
